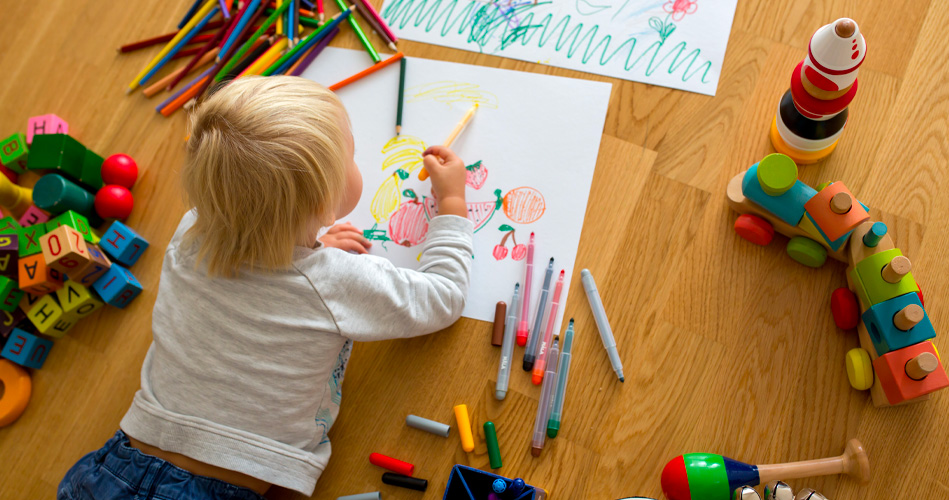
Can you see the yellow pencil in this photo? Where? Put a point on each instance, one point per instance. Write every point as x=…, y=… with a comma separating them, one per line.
x=195, y=19
x=265, y=59
x=423, y=174
x=280, y=19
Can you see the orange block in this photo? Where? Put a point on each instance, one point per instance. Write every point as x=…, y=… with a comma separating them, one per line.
x=826, y=214
x=64, y=250
x=38, y=278
x=890, y=369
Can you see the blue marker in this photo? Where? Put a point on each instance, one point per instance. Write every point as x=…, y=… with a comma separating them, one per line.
x=530, y=353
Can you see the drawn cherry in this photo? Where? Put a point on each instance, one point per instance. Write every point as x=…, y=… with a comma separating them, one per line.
x=519, y=252
x=500, y=251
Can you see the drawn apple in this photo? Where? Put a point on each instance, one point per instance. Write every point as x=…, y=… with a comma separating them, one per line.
x=500, y=252
x=519, y=252
x=476, y=174
x=408, y=225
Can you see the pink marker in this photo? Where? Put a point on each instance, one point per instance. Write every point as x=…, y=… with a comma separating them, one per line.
x=523, y=329
x=538, y=376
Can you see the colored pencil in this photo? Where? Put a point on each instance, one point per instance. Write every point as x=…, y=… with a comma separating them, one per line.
x=372, y=15
x=184, y=89
x=190, y=13
x=220, y=65
x=225, y=10
x=244, y=48
x=423, y=174
x=360, y=34
x=186, y=96
x=256, y=51
x=368, y=71
x=148, y=42
x=185, y=53
x=171, y=44
x=306, y=60
x=207, y=47
x=307, y=21
x=246, y=20
x=235, y=25
x=266, y=59
x=319, y=10
x=398, y=113
x=163, y=83
x=181, y=43
x=310, y=40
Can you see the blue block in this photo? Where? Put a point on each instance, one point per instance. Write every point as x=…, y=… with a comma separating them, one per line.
x=788, y=207
x=26, y=349
x=117, y=286
x=885, y=336
x=123, y=244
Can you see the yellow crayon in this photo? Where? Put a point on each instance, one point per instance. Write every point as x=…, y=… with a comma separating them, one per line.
x=464, y=428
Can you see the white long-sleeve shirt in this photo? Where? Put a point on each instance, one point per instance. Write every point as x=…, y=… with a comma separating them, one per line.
x=245, y=373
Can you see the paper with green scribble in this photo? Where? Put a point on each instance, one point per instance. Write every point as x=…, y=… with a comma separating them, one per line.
x=673, y=43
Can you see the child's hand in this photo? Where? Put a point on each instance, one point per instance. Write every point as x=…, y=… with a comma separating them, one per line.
x=346, y=237
x=448, y=180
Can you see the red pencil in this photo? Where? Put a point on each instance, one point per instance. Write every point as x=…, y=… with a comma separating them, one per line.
x=319, y=9
x=141, y=44
x=368, y=71
x=207, y=46
x=186, y=53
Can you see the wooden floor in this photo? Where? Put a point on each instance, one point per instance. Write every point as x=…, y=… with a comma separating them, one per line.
x=728, y=347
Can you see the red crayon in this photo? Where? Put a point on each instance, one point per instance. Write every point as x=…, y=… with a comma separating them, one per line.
x=397, y=466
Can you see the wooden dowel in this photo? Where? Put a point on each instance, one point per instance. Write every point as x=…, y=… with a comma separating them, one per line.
x=894, y=271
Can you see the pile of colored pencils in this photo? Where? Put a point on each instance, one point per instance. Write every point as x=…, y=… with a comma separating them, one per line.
x=238, y=38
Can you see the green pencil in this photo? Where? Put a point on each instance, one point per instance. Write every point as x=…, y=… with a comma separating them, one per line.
x=298, y=47
x=360, y=34
x=250, y=41
x=398, y=114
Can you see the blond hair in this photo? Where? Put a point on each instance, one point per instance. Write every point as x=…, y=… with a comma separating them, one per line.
x=265, y=156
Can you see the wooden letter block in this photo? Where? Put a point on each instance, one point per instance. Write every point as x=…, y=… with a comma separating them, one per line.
x=30, y=239
x=10, y=295
x=28, y=301
x=9, y=225
x=97, y=266
x=9, y=321
x=45, y=124
x=58, y=152
x=890, y=370
x=117, y=286
x=48, y=318
x=9, y=256
x=77, y=301
x=123, y=244
x=14, y=153
x=36, y=277
x=33, y=216
x=75, y=221
x=872, y=287
x=65, y=250
x=26, y=349
x=836, y=211
x=886, y=335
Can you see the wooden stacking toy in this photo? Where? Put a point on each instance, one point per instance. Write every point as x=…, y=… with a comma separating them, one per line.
x=813, y=112
x=707, y=476
x=896, y=360
x=53, y=271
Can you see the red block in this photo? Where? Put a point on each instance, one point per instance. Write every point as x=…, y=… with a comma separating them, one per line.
x=890, y=369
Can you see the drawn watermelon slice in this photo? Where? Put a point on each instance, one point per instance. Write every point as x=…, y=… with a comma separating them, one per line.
x=479, y=212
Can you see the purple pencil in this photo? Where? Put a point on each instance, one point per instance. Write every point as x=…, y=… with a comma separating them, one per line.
x=183, y=89
x=305, y=63
x=372, y=15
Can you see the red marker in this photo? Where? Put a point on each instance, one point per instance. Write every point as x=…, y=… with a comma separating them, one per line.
x=538, y=376
x=392, y=464
x=523, y=328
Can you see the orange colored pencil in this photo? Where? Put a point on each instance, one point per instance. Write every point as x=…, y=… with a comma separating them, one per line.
x=300, y=60
x=368, y=71
x=265, y=59
x=160, y=84
x=184, y=97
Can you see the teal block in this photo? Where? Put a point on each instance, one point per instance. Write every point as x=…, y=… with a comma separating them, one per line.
x=118, y=286
x=789, y=207
x=56, y=194
x=58, y=152
x=885, y=336
x=123, y=244
x=26, y=349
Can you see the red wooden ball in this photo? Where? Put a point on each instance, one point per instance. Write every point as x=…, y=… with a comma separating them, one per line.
x=114, y=202
x=120, y=169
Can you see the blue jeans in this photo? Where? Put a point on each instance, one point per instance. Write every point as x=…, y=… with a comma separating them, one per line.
x=119, y=471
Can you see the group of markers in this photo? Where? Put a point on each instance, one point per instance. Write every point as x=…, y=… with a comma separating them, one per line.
x=225, y=35
x=549, y=366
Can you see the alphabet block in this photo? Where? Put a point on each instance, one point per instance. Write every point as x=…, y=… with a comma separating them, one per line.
x=9, y=225
x=836, y=211
x=29, y=239
x=91, y=174
x=58, y=152
x=65, y=250
x=9, y=320
x=77, y=301
x=97, y=266
x=788, y=206
x=886, y=335
x=28, y=301
x=36, y=277
x=73, y=220
x=123, y=244
x=9, y=256
x=45, y=124
x=871, y=286
x=14, y=152
x=48, y=318
x=117, y=287
x=890, y=370
x=26, y=349
x=33, y=216
x=10, y=295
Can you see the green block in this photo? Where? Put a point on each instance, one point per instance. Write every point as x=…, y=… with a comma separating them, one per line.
x=58, y=152
x=807, y=251
x=29, y=238
x=9, y=225
x=14, y=154
x=707, y=476
x=875, y=288
x=10, y=295
x=91, y=174
x=73, y=220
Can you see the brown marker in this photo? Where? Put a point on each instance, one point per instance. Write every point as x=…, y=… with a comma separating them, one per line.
x=499, y=312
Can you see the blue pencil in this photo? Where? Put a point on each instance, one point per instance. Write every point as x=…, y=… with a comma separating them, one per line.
x=191, y=11
x=248, y=13
x=184, y=41
x=325, y=30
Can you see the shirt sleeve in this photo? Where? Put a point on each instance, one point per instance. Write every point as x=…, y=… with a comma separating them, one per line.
x=372, y=299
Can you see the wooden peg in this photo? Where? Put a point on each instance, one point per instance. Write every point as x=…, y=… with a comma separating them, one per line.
x=894, y=271
x=853, y=462
x=908, y=317
x=921, y=366
x=845, y=28
x=841, y=203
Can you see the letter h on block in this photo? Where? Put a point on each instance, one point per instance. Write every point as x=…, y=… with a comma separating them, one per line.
x=123, y=244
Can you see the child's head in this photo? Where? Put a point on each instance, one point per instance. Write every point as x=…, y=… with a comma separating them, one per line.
x=270, y=161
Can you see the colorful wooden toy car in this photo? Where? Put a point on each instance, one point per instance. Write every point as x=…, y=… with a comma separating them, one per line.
x=896, y=359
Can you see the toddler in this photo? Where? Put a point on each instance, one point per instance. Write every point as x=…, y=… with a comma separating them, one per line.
x=255, y=316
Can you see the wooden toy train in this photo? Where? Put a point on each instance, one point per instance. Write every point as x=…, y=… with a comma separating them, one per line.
x=896, y=360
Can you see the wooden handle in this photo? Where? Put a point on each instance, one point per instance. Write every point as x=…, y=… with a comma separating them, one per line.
x=908, y=317
x=845, y=28
x=853, y=462
x=897, y=268
x=922, y=365
x=841, y=203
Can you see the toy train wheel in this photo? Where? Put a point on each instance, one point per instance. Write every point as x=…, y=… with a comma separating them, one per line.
x=754, y=229
x=807, y=251
x=843, y=305
x=859, y=369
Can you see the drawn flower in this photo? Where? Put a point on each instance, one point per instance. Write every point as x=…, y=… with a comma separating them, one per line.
x=679, y=8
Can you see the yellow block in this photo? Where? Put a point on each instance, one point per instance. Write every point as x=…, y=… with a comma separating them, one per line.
x=47, y=317
x=76, y=300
